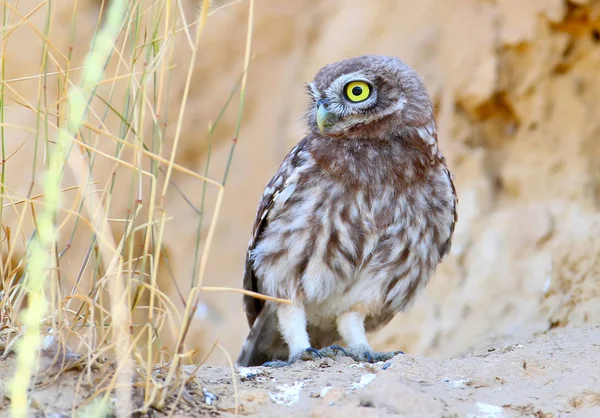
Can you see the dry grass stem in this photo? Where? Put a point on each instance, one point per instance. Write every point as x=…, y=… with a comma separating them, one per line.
x=82, y=240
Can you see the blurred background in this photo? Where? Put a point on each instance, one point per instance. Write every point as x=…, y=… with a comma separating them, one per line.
x=516, y=85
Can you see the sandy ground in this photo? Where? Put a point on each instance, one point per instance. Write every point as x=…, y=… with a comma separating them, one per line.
x=553, y=375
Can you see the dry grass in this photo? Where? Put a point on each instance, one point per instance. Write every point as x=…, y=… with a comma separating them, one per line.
x=110, y=316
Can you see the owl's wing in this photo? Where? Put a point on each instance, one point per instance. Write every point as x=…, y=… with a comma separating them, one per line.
x=428, y=134
x=281, y=179
x=445, y=247
x=391, y=309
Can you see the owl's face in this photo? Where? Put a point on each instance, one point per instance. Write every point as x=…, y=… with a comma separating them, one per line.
x=367, y=96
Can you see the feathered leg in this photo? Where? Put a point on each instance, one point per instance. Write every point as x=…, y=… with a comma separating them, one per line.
x=292, y=325
x=277, y=338
x=351, y=326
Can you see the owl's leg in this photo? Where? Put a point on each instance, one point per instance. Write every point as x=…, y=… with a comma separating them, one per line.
x=292, y=325
x=351, y=326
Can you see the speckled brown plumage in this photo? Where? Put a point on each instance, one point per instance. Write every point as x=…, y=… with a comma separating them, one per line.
x=355, y=220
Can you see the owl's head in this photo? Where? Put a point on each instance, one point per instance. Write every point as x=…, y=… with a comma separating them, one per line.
x=370, y=96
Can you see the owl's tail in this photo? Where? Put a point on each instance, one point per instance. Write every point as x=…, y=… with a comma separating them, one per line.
x=264, y=342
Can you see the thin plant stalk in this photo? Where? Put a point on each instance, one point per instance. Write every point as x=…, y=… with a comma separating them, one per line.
x=44, y=240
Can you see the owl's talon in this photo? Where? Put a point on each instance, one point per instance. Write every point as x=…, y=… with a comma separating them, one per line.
x=312, y=351
x=308, y=354
x=375, y=357
x=338, y=348
x=332, y=351
x=362, y=354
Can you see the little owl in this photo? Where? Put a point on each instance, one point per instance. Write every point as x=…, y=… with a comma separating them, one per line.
x=355, y=220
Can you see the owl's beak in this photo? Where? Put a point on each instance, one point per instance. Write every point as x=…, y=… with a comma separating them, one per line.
x=325, y=118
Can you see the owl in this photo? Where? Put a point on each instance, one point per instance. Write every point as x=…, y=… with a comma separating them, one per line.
x=354, y=222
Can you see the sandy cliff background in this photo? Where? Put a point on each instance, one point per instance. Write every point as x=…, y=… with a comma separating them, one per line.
x=516, y=87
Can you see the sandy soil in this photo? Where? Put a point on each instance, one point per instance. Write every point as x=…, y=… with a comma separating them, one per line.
x=553, y=375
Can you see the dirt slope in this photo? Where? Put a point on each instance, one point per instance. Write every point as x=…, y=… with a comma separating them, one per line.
x=549, y=376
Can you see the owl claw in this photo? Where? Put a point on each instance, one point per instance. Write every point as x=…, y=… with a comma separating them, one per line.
x=365, y=355
x=375, y=357
x=308, y=351
x=359, y=354
x=332, y=351
x=309, y=354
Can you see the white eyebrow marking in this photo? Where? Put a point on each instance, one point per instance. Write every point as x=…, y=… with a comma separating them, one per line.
x=313, y=90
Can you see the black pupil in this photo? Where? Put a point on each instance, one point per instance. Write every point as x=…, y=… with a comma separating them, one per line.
x=356, y=90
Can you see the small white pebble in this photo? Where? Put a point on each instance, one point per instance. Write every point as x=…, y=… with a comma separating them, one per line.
x=209, y=397
x=487, y=410
x=357, y=365
x=287, y=395
x=364, y=381
x=249, y=372
x=460, y=383
x=324, y=391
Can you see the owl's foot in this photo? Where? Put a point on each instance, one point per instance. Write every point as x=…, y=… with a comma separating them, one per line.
x=309, y=354
x=367, y=355
x=332, y=351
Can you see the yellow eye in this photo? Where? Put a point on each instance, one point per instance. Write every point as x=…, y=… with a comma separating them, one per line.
x=357, y=91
